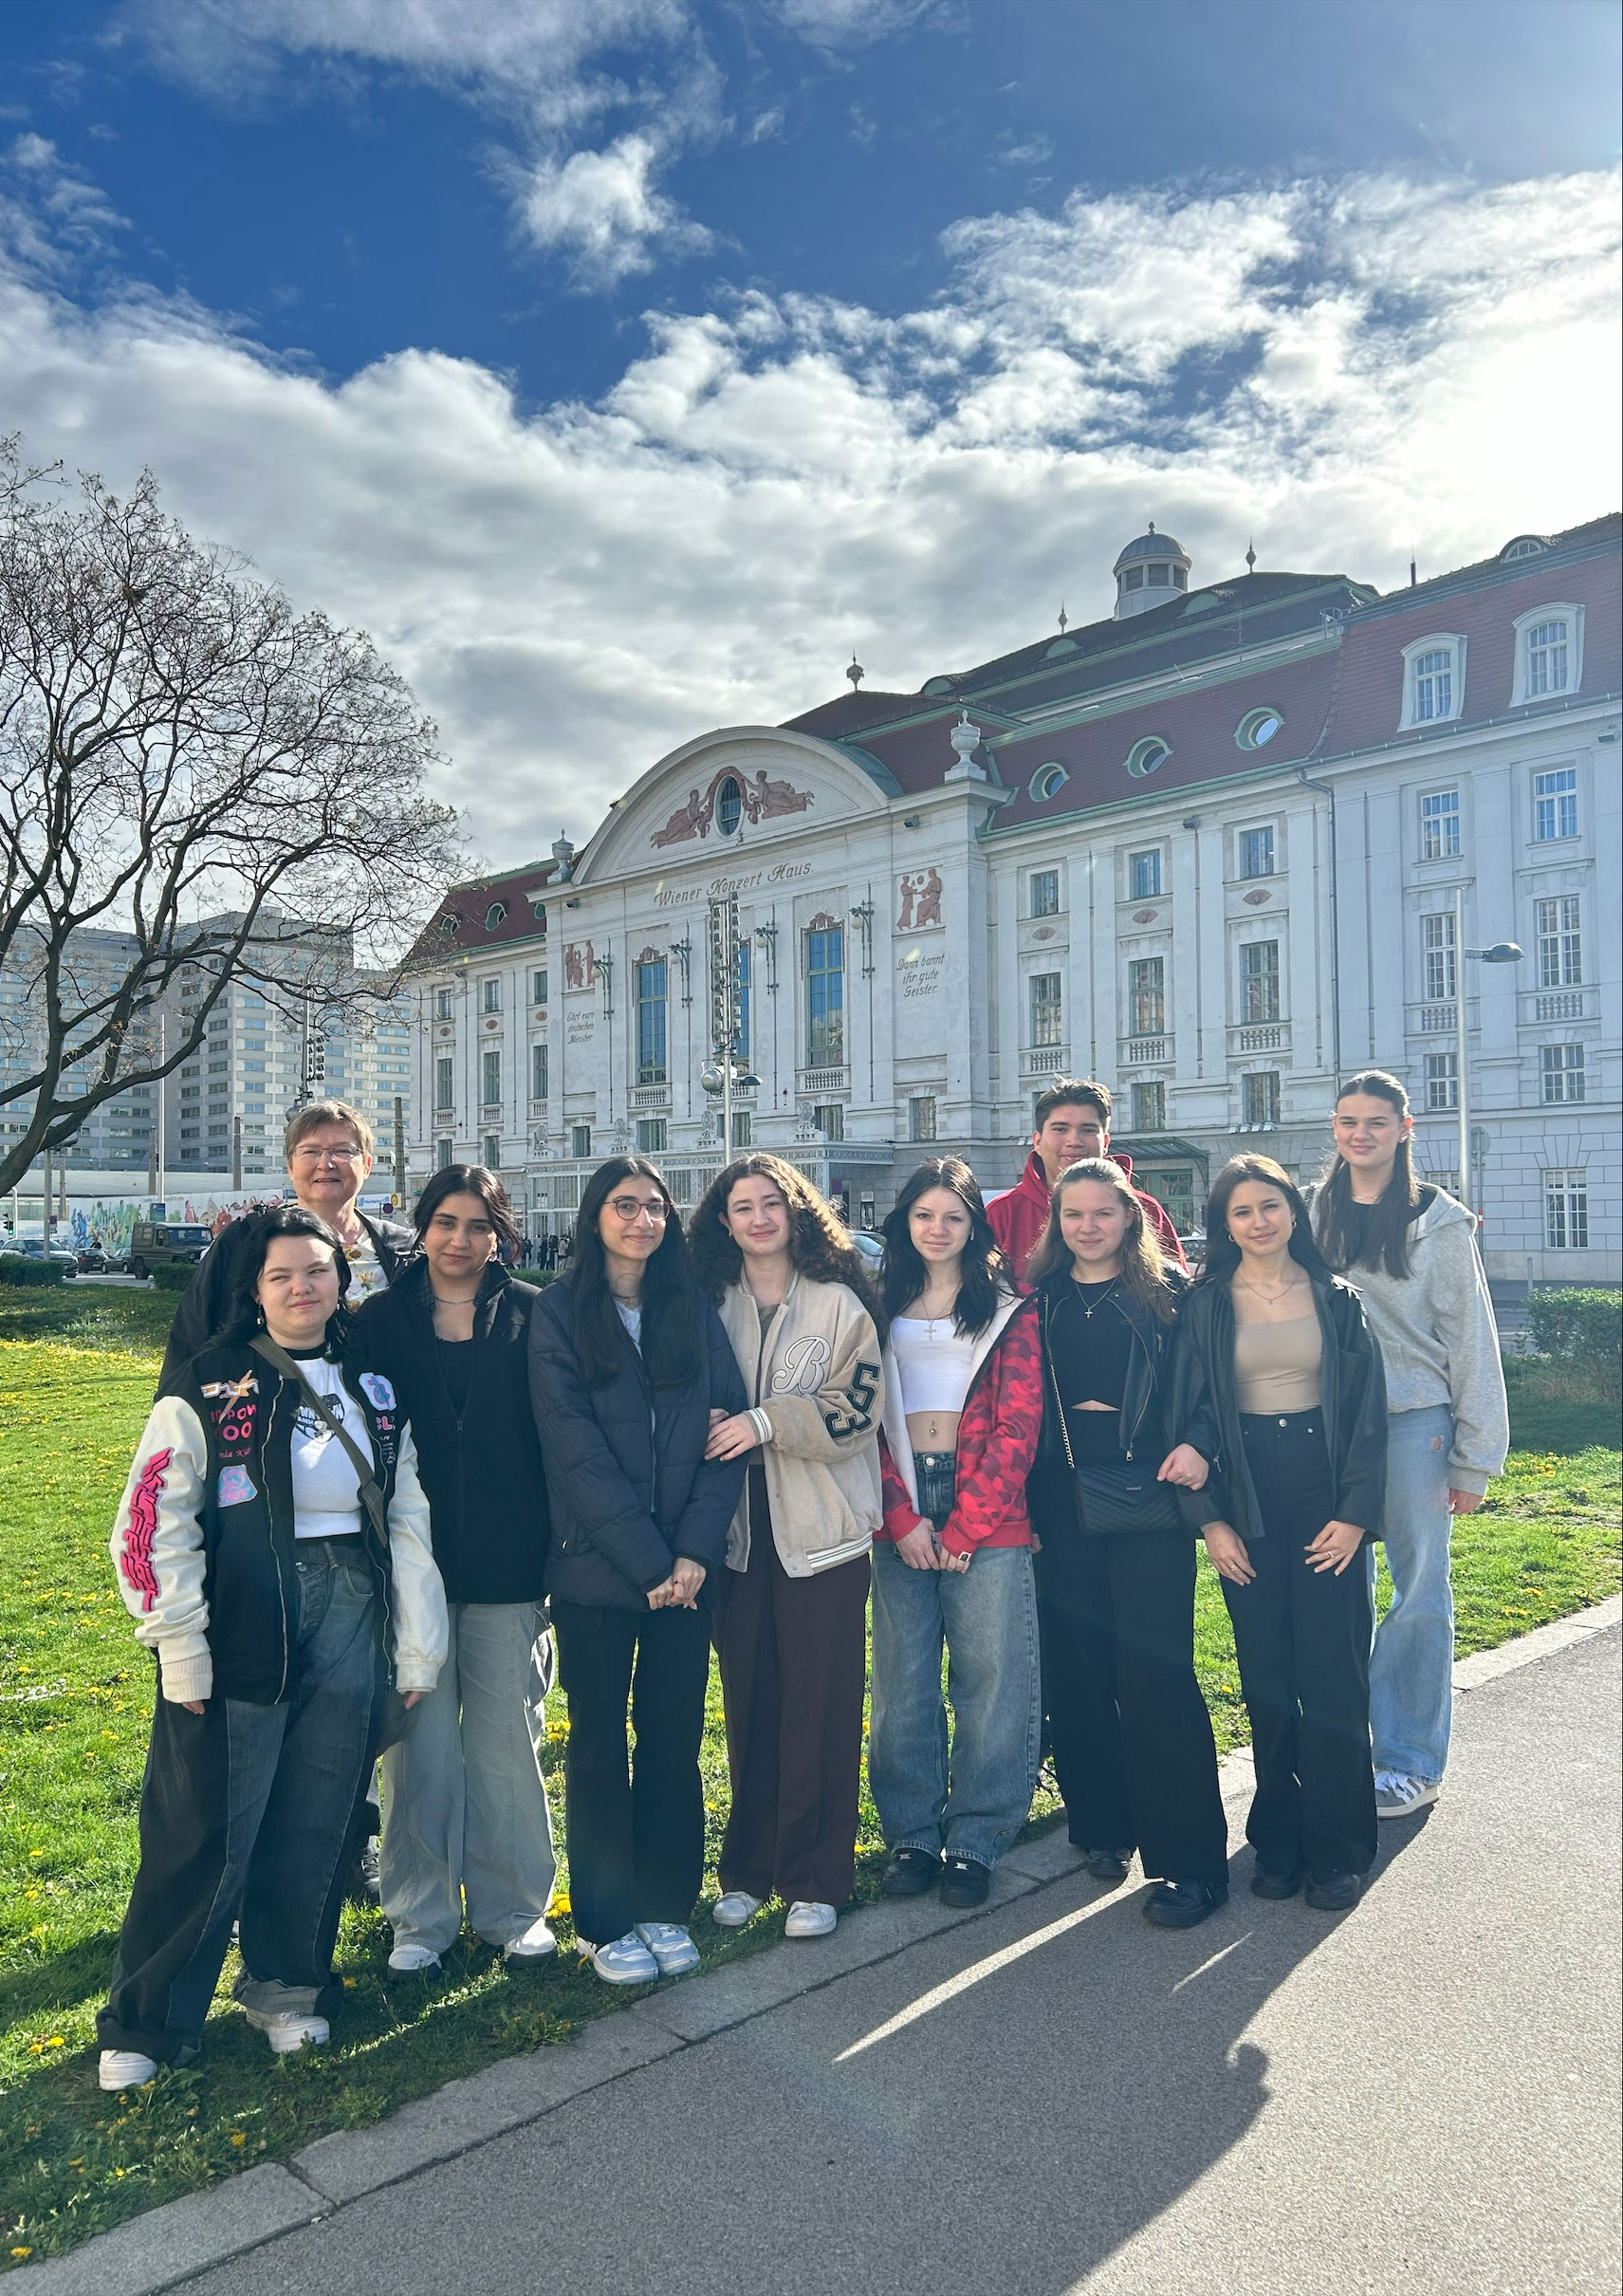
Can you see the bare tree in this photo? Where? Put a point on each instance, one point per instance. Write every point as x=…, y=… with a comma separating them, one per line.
x=186, y=761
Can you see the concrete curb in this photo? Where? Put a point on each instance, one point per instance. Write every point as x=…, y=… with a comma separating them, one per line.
x=176, y=2243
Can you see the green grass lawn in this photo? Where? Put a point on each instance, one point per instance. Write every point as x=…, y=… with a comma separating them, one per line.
x=76, y=1378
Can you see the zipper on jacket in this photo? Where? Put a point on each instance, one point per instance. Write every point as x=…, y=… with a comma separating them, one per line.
x=275, y=1552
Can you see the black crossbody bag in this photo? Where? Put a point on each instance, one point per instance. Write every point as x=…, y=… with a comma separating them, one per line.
x=1118, y=1494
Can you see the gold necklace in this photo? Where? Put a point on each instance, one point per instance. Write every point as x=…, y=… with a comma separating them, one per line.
x=1290, y=1284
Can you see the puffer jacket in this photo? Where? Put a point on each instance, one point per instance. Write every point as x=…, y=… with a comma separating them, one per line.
x=997, y=1437
x=204, y=1549
x=1352, y=1397
x=630, y=1487
x=817, y=1391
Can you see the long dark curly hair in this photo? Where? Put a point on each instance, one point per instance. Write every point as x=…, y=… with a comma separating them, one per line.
x=983, y=1274
x=671, y=1345
x=819, y=1248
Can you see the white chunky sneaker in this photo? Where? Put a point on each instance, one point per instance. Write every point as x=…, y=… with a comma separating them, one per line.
x=412, y=1960
x=1397, y=1796
x=533, y=1944
x=125, y=2069
x=807, y=1918
x=735, y=1907
x=288, y=2030
x=671, y=1946
x=624, y=1961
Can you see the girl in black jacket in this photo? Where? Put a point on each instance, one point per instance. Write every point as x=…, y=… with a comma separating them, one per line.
x=1294, y=1377
x=629, y=1365
x=466, y=1810
x=1115, y=1504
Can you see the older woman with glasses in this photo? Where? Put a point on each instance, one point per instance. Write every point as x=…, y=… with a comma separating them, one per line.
x=628, y=1365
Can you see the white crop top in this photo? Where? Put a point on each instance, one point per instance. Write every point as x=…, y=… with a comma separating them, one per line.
x=933, y=1361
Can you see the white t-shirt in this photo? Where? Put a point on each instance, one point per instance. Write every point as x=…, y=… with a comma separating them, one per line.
x=326, y=1496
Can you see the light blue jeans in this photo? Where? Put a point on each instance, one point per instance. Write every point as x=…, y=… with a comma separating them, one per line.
x=974, y=1803
x=1411, y=1660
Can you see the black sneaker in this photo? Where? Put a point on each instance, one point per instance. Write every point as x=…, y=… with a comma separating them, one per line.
x=965, y=1881
x=1183, y=1905
x=1334, y=1892
x=1106, y=1865
x=909, y=1873
x=1276, y=1881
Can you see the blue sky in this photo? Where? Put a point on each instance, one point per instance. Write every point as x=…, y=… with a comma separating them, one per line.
x=620, y=365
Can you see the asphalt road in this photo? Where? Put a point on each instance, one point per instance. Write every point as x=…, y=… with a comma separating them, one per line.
x=1419, y=2095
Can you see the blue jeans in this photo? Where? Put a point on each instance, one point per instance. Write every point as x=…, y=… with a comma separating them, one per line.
x=973, y=1804
x=244, y=1817
x=1412, y=1661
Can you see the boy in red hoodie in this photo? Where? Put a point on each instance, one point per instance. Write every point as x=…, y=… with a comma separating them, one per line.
x=1073, y=1121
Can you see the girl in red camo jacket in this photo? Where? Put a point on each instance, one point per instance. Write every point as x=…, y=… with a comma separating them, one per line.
x=953, y=1560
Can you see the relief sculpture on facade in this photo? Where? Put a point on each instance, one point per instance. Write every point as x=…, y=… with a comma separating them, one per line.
x=921, y=902
x=580, y=965
x=761, y=799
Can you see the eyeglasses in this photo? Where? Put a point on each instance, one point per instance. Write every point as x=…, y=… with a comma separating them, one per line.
x=326, y=1156
x=629, y=1208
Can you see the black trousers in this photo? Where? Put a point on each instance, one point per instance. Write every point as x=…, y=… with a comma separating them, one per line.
x=1128, y=1726
x=635, y=1827
x=1302, y=1640
x=794, y=1663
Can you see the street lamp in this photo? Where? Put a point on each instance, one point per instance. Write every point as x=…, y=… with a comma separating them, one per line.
x=1503, y=953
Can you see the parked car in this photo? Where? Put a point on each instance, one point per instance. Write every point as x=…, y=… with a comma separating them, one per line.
x=93, y=1260
x=163, y=1244
x=32, y=1247
x=870, y=1248
x=1194, y=1248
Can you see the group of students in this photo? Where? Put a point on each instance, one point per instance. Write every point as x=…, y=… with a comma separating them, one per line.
x=352, y=1529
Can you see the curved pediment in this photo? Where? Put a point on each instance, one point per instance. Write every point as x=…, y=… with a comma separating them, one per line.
x=709, y=800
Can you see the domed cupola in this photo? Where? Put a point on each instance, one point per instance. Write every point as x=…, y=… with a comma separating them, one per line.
x=1149, y=572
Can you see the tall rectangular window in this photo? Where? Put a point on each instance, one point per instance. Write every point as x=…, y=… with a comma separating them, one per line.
x=1561, y=942
x=1260, y=980
x=742, y=1128
x=490, y=1070
x=442, y=1153
x=1437, y=951
x=651, y=1014
x=1144, y=875
x=830, y=1120
x=491, y=997
x=538, y=985
x=1547, y=657
x=1434, y=685
x=580, y=1140
x=1566, y=1210
x=1149, y=1108
x=1555, y=804
x=1442, y=1079
x=1563, y=1070
x=1046, y=893
x=1439, y=824
x=825, y=998
x=443, y=1089
x=540, y=1070
x=1257, y=852
x=651, y=1136
x=1147, y=994
x=1261, y=1099
x=492, y=1155
x=1047, y=1012
x=442, y=1004
x=921, y=1117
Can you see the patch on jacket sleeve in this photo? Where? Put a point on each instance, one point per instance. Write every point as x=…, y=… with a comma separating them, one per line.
x=859, y=1396
x=136, y=1560
x=376, y=1390
x=235, y=1487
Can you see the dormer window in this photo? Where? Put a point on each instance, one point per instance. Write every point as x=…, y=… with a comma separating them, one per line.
x=495, y=914
x=1047, y=782
x=448, y=926
x=1433, y=680
x=1145, y=756
x=1549, y=652
x=1523, y=546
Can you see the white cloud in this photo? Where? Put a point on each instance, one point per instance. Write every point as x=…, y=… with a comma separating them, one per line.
x=601, y=209
x=1343, y=369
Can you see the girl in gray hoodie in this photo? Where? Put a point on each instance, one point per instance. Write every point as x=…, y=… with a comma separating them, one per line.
x=1410, y=1250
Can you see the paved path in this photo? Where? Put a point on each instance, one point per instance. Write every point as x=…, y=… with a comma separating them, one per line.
x=1420, y=2096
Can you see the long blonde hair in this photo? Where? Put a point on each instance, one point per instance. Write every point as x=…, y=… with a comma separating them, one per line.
x=1143, y=1266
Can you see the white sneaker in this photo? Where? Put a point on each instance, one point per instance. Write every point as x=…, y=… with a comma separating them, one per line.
x=624, y=1961
x=289, y=2031
x=412, y=1960
x=533, y=1944
x=125, y=2069
x=1397, y=1796
x=735, y=1908
x=807, y=1918
x=671, y=1946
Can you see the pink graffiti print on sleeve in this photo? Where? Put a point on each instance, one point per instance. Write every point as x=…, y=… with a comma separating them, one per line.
x=136, y=1560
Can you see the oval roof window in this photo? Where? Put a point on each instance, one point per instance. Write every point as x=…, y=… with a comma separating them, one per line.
x=1047, y=782
x=495, y=914
x=1257, y=727
x=1061, y=645
x=937, y=685
x=1146, y=756
x=448, y=926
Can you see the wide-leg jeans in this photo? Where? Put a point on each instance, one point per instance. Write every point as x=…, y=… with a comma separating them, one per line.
x=1412, y=1663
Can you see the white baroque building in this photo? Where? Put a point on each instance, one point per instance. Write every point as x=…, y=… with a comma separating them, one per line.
x=1207, y=851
